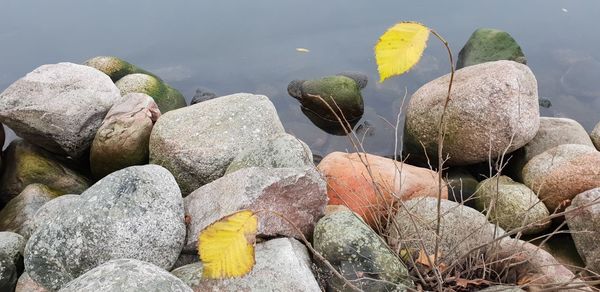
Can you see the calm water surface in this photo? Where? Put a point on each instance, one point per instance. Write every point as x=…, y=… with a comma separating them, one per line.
x=250, y=46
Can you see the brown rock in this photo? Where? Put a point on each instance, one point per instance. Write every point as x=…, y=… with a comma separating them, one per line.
x=122, y=139
x=560, y=173
x=351, y=183
x=17, y=216
x=26, y=284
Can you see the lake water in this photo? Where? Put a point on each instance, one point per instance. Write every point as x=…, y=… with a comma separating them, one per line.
x=250, y=46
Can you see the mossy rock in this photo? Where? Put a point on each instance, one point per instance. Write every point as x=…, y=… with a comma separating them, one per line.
x=17, y=216
x=114, y=67
x=166, y=97
x=487, y=45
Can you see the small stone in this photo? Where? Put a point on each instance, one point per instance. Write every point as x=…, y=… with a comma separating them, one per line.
x=26, y=284
x=202, y=94
x=487, y=45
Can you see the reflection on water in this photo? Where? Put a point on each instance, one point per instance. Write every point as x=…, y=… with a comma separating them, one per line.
x=250, y=46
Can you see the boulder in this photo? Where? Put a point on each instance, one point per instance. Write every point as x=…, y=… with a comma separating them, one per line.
x=26, y=284
x=47, y=213
x=282, y=264
x=59, y=107
x=166, y=97
x=17, y=216
x=493, y=110
x=285, y=151
x=557, y=175
x=340, y=236
x=114, y=67
x=198, y=142
x=297, y=194
x=487, y=45
x=27, y=164
x=595, y=136
x=122, y=139
x=11, y=259
x=371, y=191
x=134, y=213
x=583, y=218
x=511, y=205
x=126, y=275
x=463, y=230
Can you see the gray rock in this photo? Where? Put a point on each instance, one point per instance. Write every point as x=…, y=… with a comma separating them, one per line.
x=122, y=139
x=11, y=259
x=583, y=218
x=284, y=151
x=359, y=254
x=514, y=205
x=26, y=284
x=59, y=106
x=486, y=45
x=126, y=275
x=47, y=213
x=493, y=109
x=282, y=264
x=462, y=229
x=166, y=97
x=502, y=288
x=559, y=174
x=299, y=195
x=135, y=213
x=595, y=136
x=198, y=142
x=28, y=164
x=17, y=216
x=201, y=95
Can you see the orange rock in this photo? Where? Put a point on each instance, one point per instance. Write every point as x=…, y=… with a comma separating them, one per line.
x=373, y=191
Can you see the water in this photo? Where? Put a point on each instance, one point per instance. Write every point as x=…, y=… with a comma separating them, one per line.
x=250, y=46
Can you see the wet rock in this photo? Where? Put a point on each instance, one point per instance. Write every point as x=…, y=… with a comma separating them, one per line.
x=351, y=183
x=198, y=142
x=583, y=218
x=487, y=45
x=493, y=109
x=285, y=151
x=202, y=94
x=595, y=136
x=336, y=91
x=282, y=264
x=463, y=230
x=11, y=259
x=166, y=97
x=17, y=216
x=359, y=254
x=27, y=164
x=514, y=205
x=360, y=78
x=58, y=107
x=557, y=175
x=26, y=284
x=134, y=213
x=126, y=275
x=122, y=139
x=296, y=193
x=114, y=67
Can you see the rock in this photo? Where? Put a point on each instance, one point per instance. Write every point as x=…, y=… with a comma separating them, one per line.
x=462, y=185
x=165, y=96
x=126, y=275
x=27, y=164
x=282, y=264
x=2, y=136
x=557, y=175
x=134, y=213
x=58, y=107
x=493, y=110
x=198, y=142
x=514, y=205
x=595, y=136
x=462, y=229
x=502, y=288
x=17, y=215
x=114, y=67
x=361, y=79
x=202, y=94
x=552, y=132
x=359, y=254
x=51, y=210
x=349, y=182
x=297, y=194
x=11, y=259
x=122, y=139
x=335, y=90
x=583, y=218
x=285, y=151
x=487, y=45
x=26, y=284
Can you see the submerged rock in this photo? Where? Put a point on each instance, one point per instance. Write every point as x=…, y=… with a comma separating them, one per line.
x=59, y=107
x=487, y=45
x=493, y=110
x=359, y=254
x=166, y=97
x=134, y=213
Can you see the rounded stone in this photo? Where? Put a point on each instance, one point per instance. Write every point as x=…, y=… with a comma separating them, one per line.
x=114, y=67
x=166, y=97
x=18, y=215
x=487, y=45
x=583, y=218
x=595, y=136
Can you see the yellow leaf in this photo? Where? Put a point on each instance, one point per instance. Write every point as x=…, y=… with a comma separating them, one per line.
x=400, y=48
x=226, y=247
